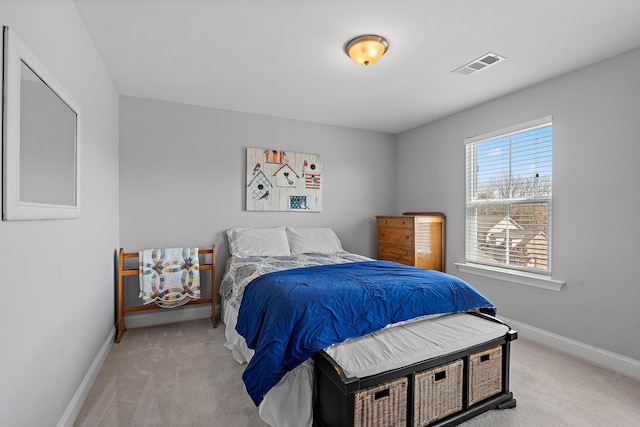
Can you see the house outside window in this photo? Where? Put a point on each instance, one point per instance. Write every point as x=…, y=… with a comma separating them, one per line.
x=508, y=198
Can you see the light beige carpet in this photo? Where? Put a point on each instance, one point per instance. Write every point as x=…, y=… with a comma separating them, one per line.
x=181, y=375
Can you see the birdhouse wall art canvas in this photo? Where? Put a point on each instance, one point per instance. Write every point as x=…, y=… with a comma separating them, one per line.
x=283, y=181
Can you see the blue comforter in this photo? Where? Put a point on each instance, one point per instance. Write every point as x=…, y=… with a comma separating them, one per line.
x=287, y=316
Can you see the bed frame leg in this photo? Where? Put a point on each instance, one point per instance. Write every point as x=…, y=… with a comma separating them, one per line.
x=511, y=403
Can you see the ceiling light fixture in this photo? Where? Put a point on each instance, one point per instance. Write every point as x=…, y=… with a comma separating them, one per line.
x=366, y=50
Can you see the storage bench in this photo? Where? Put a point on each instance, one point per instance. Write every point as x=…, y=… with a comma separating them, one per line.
x=435, y=372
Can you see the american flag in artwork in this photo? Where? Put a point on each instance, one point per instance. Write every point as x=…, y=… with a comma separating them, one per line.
x=312, y=181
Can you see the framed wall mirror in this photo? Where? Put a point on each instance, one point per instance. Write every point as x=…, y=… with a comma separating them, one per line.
x=40, y=139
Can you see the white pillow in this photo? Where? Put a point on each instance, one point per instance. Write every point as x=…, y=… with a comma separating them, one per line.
x=313, y=241
x=246, y=242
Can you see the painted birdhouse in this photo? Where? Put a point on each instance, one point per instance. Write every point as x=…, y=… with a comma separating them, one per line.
x=260, y=186
x=285, y=176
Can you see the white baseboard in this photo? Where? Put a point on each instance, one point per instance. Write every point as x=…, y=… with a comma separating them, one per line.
x=160, y=317
x=616, y=362
x=74, y=407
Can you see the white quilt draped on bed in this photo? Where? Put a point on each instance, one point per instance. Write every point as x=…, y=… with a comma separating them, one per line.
x=289, y=403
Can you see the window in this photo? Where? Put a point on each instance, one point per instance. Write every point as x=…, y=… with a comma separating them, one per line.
x=509, y=183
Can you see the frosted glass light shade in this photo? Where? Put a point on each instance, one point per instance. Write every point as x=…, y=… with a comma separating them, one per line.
x=366, y=50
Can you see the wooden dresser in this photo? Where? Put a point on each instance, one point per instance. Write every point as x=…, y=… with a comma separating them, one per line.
x=415, y=238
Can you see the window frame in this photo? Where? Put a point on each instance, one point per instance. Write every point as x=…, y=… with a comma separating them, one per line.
x=520, y=274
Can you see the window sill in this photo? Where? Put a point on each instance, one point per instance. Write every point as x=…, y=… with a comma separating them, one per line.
x=512, y=276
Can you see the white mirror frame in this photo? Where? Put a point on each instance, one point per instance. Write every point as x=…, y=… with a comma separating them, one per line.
x=13, y=208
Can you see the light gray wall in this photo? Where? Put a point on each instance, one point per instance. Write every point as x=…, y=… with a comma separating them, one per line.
x=596, y=182
x=56, y=276
x=182, y=176
x=58, y=311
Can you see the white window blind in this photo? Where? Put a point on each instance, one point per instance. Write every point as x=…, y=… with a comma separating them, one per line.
x=508, y=197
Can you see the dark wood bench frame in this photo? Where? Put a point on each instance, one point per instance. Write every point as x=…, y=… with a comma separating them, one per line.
x=334, y=392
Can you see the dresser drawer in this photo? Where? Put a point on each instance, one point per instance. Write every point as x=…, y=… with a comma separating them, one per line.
x=396, y=236
x=403, y=255
x=394, y=221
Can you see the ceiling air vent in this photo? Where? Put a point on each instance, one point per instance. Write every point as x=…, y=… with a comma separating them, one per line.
x=485, y=61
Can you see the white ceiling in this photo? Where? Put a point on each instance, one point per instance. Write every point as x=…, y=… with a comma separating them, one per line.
x=285, y=58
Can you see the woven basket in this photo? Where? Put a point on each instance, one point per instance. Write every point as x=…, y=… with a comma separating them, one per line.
x=485, y=374
x=438, y=393
x=383, y=405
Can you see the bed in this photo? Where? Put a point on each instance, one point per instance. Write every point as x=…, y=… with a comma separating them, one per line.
x=313, y=359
